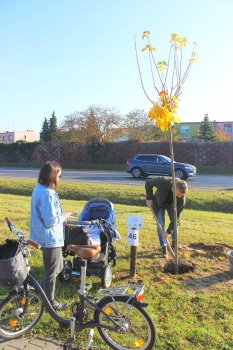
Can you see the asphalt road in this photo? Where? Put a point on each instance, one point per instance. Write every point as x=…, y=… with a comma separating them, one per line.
x=120, y=177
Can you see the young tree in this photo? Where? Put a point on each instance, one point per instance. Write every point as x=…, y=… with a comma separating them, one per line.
x=206, y=130
x=45, y=134
x=171, y=79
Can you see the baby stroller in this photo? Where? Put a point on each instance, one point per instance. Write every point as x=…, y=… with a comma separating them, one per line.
x=96, y=225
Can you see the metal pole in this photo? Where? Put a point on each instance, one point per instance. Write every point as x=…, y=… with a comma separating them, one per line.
x=174, y=200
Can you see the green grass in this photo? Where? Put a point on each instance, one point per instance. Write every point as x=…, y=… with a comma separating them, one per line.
x=201, y=169
x=186, y=318
x=198, y=199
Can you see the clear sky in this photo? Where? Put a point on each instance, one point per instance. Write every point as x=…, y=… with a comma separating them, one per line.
x=67, y=55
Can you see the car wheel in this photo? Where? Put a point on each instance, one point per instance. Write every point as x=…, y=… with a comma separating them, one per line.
x=136, y=173
x=180, y=174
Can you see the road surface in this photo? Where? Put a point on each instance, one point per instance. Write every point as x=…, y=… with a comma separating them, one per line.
x=119, y=177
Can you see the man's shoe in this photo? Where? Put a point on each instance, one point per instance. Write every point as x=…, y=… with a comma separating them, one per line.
x=58, y=306
x=164, y=252
x=173, y=244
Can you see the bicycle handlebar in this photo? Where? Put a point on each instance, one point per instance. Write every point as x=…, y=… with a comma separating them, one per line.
x=20, y=235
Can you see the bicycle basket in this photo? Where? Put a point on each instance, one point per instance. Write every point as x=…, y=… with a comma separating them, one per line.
x=13, y=268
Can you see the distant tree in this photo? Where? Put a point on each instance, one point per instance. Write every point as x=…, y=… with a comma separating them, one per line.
x=102, y=123
x=139, y=126
x=206, y=130
x=53, y=122
x=96, y=124
x=45, y=134
x=49, y=129
x=222, y=135
x=68, y=130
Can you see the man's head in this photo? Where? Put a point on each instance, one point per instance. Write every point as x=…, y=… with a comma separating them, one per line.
x=181, y=188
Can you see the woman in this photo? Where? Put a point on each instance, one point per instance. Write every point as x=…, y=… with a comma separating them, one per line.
x=47, y=227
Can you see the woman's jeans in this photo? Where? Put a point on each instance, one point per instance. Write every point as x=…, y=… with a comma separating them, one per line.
x=161, y=218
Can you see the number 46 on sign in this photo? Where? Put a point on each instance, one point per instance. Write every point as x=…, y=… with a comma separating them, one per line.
x=133, y=234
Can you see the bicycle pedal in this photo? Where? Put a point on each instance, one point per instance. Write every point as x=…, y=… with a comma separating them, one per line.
x=68, y=344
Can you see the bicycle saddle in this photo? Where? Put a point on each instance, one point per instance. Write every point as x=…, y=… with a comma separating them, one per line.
x=84, y=251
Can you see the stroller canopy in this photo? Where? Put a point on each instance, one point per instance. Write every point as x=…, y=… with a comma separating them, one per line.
x=101, y=208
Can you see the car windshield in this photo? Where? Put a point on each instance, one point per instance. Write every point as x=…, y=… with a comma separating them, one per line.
x=167, y=158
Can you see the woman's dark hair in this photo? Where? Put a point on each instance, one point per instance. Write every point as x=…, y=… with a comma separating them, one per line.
x=48, y=174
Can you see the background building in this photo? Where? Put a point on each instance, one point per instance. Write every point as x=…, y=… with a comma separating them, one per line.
x=13, y=136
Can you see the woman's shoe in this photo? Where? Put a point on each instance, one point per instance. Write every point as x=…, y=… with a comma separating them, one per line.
x=58, y=306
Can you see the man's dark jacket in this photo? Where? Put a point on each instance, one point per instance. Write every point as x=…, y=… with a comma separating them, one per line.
x=163, y=185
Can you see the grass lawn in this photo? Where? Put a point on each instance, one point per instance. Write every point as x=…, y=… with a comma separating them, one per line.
x=191, y=310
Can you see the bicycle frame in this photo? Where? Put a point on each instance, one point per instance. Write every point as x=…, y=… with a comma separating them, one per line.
x=121, y=298
x=111, y=292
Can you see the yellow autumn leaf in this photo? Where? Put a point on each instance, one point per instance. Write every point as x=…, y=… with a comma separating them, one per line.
x=221, y=258
x=145, y=34
x=148, y=47
x=175, y=37
x=141, y=272
x=162, y=278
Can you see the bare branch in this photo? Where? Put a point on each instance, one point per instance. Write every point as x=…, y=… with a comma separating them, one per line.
x=140, y=71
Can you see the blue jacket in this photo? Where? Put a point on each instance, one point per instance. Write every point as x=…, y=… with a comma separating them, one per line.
x=47, y=219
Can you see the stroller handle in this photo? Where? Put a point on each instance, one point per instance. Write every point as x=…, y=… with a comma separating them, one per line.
x=80, y=223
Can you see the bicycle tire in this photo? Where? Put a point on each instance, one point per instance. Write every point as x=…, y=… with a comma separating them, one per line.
x=140, y=330
x=13, y=322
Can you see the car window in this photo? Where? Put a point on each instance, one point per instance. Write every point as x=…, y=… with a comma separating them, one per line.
x=158, y=159
x=145, y=158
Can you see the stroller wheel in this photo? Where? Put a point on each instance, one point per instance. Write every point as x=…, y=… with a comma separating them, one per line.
x=65, y=274
x=106, y=276
x=112, y=262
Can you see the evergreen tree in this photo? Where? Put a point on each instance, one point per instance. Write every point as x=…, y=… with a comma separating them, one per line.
x=49, y=128
x=53, y=123
x=206, y=130
x=45, y=134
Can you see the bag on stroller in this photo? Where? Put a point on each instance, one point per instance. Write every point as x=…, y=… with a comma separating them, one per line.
x=98, y=218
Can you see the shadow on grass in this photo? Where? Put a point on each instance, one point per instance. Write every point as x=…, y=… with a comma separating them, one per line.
x=200, y=283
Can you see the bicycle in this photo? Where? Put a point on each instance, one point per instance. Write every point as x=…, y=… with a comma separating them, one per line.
x=118, y=313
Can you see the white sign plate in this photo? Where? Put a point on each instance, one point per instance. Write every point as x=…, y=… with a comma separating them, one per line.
x=133, y=237
x=135, y=221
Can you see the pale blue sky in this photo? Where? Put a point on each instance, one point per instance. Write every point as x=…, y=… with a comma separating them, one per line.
x=66, y=55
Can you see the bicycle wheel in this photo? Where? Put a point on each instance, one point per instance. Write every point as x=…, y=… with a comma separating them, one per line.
x=138, y=330
x=15, y=317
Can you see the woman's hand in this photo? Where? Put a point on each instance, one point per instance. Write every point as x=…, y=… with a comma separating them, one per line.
x=69, y=216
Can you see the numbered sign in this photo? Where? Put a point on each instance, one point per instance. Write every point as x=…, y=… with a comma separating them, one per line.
x=134, y=221
x=133, y=237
